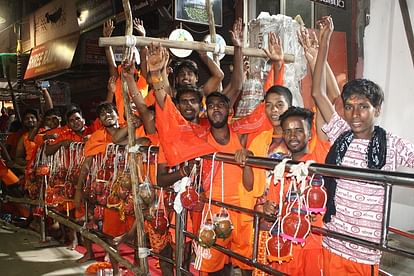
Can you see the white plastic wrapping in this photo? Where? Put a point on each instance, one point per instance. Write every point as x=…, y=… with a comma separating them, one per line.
x=286, y=28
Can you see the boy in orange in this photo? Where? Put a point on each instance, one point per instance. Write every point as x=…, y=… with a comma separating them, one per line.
x=297, y=123
x=237, y=180
x=113, y=226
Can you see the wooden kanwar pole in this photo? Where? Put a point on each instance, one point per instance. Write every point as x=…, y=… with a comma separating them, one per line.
x=139, y=218
x=212, y=29
x=90, y=236
x=193, y=45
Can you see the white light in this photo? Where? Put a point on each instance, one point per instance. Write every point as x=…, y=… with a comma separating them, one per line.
x=83, y=16
x=2, y=20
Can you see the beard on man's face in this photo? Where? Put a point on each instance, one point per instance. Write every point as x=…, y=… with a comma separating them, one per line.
x=218, y=124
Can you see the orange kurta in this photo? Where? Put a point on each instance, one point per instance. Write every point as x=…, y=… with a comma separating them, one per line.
x=239, y=241
x=307, y=260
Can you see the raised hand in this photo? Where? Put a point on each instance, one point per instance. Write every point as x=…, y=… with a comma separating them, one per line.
x=139, y=26
x=326, y=28
x=155, y=57
x=310, y=44
x=112, y=84
x=108, y=27
x=275, y=51
x=237, y=33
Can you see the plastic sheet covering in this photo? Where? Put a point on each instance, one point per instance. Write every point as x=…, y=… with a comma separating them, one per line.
x=286, y=28
x=252, y=95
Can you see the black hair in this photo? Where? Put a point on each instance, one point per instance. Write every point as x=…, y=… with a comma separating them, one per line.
x=52, y=112
x=366, y=88
x=305, y=113
x=282, y=91
x=73, y=111
x=15, y=126
x=187, y=88
x=105, y=106
x=186, y=63
x=219, y=95
x=31, y=111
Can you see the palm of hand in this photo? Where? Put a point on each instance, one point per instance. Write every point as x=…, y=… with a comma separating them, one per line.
x=276, y=53
x=155, y=62
x=140, y=29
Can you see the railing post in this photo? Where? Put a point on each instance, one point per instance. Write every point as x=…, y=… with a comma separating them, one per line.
x=180, y=222
x=256, y=225
x=386, y=212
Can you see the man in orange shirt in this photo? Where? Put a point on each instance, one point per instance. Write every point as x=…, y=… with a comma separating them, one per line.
x=237, y=181
x=296, y=123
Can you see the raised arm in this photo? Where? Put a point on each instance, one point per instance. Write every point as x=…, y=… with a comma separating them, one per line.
x=146, y=115
x=111, y=87
x=217, y=75
x=156, y=58
x=310, y=45
x=139, y=28
x=234, y=88
x=275, y=53
x=108, y=27
x=319, y=95
x=48, y=99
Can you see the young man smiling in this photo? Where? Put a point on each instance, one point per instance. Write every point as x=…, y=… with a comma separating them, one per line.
x=355, y=208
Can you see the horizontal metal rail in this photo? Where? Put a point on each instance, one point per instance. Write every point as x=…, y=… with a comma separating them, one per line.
x=378, y=177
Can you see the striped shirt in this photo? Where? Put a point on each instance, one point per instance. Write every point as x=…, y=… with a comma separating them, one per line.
x=359, y=205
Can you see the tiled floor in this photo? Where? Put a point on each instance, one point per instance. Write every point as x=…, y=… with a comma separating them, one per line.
x=395, y=264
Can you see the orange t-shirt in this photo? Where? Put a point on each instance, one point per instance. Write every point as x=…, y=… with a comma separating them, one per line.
x=97, y=142
x=232, y=173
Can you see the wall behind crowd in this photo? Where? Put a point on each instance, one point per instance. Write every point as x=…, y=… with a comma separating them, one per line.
x=388, y=62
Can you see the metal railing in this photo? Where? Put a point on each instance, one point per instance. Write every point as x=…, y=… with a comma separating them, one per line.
x=377, y=177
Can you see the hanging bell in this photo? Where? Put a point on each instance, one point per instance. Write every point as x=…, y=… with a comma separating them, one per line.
x=222, y=224
x=295, y=225
x=315, y=195
x=69, y=190
x=169, y=200
x=129, y=206
x=98, y=212
x=160, y=223
x=278, y=249
x=146, y=192
x=206, y=235
x=113, y=201
x=189, y=198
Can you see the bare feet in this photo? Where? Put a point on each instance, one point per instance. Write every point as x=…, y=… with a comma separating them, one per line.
x=85, y=258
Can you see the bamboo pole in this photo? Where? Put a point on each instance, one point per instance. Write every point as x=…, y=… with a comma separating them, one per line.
x=193, y=45
x=139, y=218
x=84, y=232
x=23, y=200
x=212, y=29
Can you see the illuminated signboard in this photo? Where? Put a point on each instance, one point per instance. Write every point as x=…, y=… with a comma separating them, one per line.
x=195, y=11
